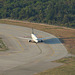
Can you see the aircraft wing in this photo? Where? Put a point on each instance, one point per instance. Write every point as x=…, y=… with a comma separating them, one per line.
x=25, y=38
x=44, y=38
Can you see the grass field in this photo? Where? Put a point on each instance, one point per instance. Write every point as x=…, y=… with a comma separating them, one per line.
x=67, y=69
x=2, y=46
x=66, y=36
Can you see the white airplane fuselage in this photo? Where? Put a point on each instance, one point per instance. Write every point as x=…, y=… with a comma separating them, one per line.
x=34, y=38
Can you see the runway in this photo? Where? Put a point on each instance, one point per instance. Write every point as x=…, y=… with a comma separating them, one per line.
x=25, y=58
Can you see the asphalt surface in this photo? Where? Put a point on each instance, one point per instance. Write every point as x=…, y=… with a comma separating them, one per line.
x=24, y=58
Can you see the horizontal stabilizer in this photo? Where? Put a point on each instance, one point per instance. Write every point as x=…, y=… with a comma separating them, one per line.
x=24, y=38
x=44, y=38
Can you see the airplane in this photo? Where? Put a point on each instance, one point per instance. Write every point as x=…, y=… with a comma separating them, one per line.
x=34, y=38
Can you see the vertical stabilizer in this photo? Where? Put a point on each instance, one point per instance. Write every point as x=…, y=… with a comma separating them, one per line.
x=32, y=31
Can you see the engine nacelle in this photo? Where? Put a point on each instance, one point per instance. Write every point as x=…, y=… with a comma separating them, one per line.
x=41, y=40
x=29, y=40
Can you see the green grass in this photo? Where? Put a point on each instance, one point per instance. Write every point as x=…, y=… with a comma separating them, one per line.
x=2, y=46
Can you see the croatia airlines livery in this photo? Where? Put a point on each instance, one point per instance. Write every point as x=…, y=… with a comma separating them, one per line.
x=34, y=38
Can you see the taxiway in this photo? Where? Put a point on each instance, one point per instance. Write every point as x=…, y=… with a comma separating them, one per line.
x=24, y=58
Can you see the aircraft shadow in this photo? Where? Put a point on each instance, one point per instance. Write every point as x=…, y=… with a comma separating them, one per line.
x=52, y=41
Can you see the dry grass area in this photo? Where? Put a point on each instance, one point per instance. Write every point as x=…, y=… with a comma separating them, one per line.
x=67, y=69
x=66, y=35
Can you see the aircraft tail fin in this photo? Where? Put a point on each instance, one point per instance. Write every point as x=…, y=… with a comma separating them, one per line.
x=32, y=31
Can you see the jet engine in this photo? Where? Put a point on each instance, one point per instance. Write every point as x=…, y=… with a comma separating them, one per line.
x=29, y=40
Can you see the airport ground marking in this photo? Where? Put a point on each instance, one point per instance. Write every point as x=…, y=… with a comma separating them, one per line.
x=40, y=49
x=18, y=43
x=11, y=36
x=52, y=50
x=38, y=60
x=21, y=45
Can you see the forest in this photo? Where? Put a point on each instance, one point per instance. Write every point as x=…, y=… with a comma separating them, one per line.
x=54, y=12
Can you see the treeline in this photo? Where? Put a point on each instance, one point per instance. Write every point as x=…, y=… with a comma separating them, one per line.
x=55, y=12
